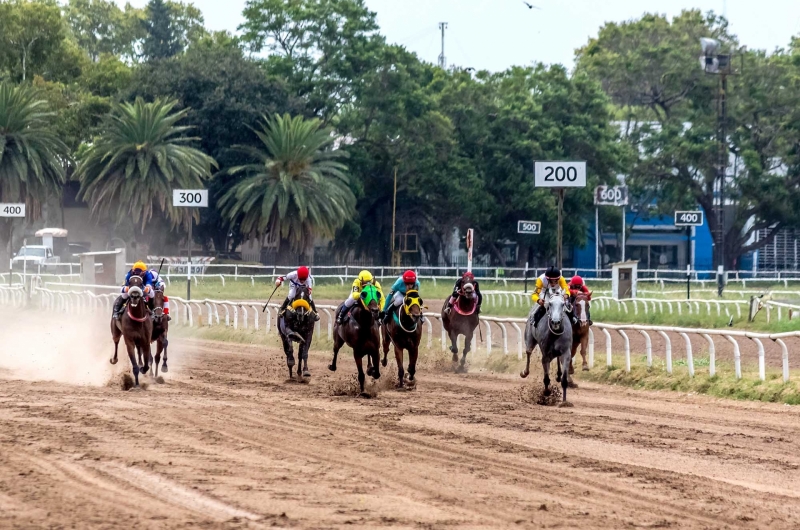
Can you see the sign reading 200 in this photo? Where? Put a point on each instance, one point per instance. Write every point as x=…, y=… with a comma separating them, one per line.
x=559, y=174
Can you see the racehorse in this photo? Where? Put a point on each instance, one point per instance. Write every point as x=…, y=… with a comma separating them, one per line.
x=361, y=332
x=160, y=332
x=297, y=325
x=405, y=332
x=553, y=334
x=462, y=320
x=136, y=327
x=580, y=330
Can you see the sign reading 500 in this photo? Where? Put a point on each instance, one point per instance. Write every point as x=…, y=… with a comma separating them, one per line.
x=559, y=174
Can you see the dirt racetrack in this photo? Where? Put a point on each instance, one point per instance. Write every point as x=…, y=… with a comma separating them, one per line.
x=227, y=442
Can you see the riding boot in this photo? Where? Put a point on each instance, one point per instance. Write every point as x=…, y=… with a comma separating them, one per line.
x=388, y=317
x=589, y=317
x=118, y=303
x=314, y=309
x=343, y=313
x=283, y=306
x=537, y=316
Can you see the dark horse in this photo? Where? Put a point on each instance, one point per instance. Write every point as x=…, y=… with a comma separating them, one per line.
x=136, y=327
x=553, y=334
x=297, y=325
x=580, y=330
x=362, y=333
x=160, y=332
x=461, y=320
x=405, y=332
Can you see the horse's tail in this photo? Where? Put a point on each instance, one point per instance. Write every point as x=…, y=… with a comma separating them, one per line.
x=293, y=335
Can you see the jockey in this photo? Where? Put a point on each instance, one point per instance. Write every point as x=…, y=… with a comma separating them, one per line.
x=550, y=279
x=467, y=277
x=297, y=278
x=364, y=278
x=159, y=285
x=406, y=282
x=139, y=269
x=577, y=285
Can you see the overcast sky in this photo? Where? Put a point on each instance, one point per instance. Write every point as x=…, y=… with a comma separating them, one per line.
x=495, y=34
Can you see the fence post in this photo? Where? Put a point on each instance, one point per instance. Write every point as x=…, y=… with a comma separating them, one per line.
x=627, y=350
x=785, y=357
x=712, y=355
x=667, y=350
x=737, y=357
x=761, y=361
x=609, y=362
x=689, y=356
x=519, y=340
x=648, y=348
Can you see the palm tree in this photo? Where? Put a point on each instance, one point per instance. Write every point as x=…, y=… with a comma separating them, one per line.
x=32, y=157
x=139, y=158
x=295, y=188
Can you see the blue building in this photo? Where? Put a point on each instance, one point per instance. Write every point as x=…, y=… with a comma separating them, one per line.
x=653, y=240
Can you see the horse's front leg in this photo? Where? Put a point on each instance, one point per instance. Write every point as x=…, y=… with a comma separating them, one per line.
x=386, y=341
x=159, y=348
x=361, y=377
x=453, y=343
x=337, y=345
x=546, y=369
x=165, y=341
x=288, y=350
x=398, y=358
x=132, y=356
x=413, y=354
x=115, y=360
x=467, y=348
x=144, y=350
x=565, y=361
x=584, y=347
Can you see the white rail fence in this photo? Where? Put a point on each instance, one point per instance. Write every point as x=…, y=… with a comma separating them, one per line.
x=240, y=314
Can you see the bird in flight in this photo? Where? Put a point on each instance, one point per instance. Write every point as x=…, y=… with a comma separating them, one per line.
x=530, y=6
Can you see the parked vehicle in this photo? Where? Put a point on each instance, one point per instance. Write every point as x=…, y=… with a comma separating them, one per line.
x=35, y=257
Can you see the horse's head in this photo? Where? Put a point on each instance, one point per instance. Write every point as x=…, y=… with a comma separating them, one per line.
x=299, y=312
x=370, y=300
x=581, y=305
x=158, y=304
x=469, y=289
x=555, y=309
x=135, y=290
x=412, y=304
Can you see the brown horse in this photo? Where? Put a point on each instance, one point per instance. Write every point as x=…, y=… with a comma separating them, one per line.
x=362, y=333
x=580, y=329
x=461, y=320
x=136, y=327
x=160, y=332
x=405, y=333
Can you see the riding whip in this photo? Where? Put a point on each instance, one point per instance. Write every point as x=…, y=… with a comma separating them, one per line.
x=270, y=298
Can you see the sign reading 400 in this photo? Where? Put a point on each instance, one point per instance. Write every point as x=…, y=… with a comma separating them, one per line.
x=190, y=198
x=559, y=174
x=12, y=209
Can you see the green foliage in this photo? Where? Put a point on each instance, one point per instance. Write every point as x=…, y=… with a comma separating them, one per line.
x=31, y=154
x=140, y=156
x=161, y=41
x=295, y=189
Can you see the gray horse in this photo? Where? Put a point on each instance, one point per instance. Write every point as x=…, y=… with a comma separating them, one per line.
x=553, y=334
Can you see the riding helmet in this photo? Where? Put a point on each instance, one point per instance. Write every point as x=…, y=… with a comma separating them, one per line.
x=365, y=277
x=576, y=280
x=468, y=277
x=302, y=273
x=552, y=273
x=409, y=277
x=140, y=265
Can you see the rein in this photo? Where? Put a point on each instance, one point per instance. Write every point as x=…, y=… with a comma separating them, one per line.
x=135, y=318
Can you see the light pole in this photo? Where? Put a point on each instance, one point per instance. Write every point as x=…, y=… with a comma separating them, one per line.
x=721, y=64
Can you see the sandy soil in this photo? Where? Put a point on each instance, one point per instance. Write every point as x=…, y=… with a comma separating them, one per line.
x=228, y=442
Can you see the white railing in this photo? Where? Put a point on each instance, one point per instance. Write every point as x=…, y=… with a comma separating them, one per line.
x=236, y=314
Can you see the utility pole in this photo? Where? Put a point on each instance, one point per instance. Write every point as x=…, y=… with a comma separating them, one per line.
x=442, y=58
x=395, y=252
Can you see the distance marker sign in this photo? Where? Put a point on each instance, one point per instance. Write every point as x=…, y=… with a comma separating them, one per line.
x=190, y=198
x=529, y=227
x=12, y=209
x=559, y=174
x=689, y=218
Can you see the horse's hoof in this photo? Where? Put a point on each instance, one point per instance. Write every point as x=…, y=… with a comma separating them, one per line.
x=453, y=349
x=113, y=361
x=332, y=367
x=306, y=373
x=400, y=386
x=565, y=404
x=164, y=368
x=572, y=384
x=365, y=395
x=144, y=369
x=525, y=373
x=547, y=392
x=585, y=368
x=558, y=378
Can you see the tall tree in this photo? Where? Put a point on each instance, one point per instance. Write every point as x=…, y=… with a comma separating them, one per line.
x=32, y=156
x=668, y=110
x=321, y=46
x=140, y=156
x=162, y=40
x=295, y=189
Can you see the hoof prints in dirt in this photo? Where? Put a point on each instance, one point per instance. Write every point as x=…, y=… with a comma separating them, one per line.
x=350, y=386
x=534, y=394
x=125, y=382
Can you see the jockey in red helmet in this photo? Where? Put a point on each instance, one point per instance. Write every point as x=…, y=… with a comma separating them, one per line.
x=406, y=282
x=467, y=277
x=299, y=277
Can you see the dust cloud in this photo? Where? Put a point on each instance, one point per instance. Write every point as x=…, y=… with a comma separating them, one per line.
x=73, y=349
